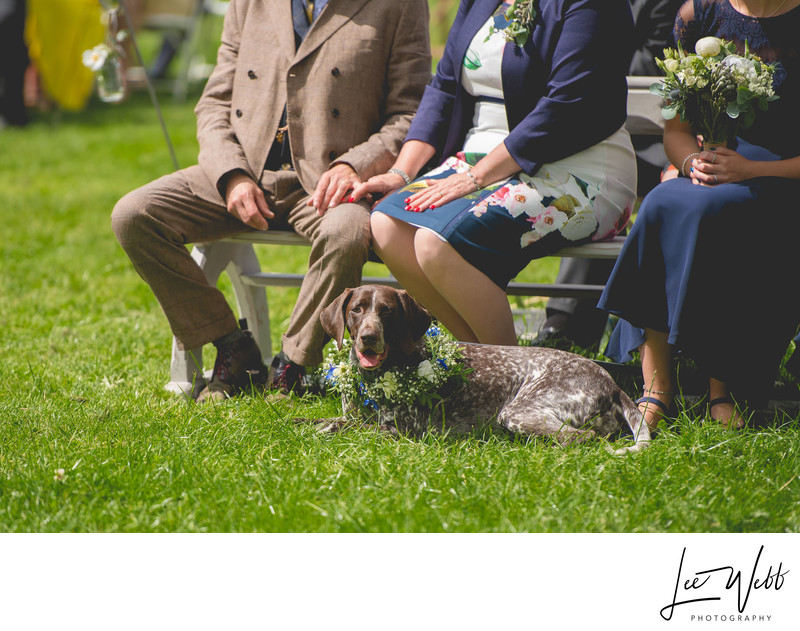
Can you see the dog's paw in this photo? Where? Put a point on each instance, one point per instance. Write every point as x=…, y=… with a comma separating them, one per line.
x=331, y=425
x=324, y=425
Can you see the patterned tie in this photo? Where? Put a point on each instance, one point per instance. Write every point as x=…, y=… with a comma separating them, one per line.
x=304, y=12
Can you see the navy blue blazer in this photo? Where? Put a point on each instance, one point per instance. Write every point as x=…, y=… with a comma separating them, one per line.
x=565, y=90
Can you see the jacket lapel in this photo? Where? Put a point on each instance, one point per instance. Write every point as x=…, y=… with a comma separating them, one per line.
x=335, y=14
x=477, y=15
x=282, y=24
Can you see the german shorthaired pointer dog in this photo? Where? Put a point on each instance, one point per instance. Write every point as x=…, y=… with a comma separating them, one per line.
x=528, y=391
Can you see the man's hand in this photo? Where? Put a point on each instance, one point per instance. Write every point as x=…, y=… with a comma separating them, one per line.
x=245, y=201
x=333, y=187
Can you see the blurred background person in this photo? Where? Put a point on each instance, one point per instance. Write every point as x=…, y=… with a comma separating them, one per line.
x=13, y=62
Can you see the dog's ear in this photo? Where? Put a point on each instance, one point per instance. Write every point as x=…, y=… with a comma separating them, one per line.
x=415, y=318
x=333, y=317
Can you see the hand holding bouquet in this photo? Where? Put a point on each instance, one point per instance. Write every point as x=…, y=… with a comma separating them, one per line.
x=716, y=90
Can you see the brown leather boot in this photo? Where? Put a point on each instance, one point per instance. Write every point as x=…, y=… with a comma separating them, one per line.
x=286, y=376
x=238, y=366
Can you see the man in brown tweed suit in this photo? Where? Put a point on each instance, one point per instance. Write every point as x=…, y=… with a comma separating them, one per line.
x=305, y=102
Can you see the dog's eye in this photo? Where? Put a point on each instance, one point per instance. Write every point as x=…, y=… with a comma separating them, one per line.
x=355, y=310
x=387, y=311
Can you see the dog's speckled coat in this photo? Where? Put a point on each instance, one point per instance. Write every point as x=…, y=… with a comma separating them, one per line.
x=528, y=391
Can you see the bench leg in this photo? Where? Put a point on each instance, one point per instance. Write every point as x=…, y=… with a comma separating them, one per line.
x=238, y=260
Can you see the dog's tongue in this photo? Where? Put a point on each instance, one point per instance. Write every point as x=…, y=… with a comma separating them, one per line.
x=370, y=359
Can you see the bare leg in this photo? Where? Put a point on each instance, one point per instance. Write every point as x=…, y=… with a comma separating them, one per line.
x=482, y=304
x=393, y=241
x=656, y=356
x=725, y=413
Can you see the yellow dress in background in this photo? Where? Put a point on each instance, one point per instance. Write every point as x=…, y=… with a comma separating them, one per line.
x=57, y=32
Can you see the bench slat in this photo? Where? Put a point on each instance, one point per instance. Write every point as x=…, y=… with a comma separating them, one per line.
x=550, y=290
x=597, y=250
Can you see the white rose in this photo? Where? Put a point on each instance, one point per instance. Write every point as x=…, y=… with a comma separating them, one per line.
x=582, y=225
x=671, y=65
x=528, y=238
x=708, y=46
x=426, y=370
x=551, y=219
x=522, y=199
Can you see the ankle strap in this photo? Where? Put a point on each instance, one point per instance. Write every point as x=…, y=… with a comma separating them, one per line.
x=654, y=401
x=726, y=399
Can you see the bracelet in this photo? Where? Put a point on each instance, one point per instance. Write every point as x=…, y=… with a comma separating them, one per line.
x=471, y=176
x=401, y=173
x=685, y=160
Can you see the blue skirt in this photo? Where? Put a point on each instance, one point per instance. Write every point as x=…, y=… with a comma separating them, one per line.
x=716, y=268
x=501, y=228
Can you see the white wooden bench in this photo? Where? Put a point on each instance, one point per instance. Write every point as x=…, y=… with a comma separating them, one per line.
x=237, y=258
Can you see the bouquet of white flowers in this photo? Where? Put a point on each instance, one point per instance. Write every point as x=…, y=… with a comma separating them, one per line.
x=716, y=90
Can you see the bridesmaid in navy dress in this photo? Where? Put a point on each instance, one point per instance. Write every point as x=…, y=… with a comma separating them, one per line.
x=533, y=156
x=710, y=266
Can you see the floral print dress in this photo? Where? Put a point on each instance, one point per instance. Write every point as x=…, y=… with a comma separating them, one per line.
x=502, y=227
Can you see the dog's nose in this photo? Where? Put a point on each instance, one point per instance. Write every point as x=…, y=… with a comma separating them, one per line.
x=369, y=338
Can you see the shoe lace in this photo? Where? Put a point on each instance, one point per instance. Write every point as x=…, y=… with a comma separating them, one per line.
x=222, y=365
x=287, y=376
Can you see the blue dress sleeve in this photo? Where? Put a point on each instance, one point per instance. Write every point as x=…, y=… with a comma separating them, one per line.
x=586, y=49
x=435, y=113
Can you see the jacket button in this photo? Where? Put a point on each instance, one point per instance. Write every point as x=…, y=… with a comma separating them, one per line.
x=238, y=113
x=335, y=72
x=251, y=74
x=335, y=113
x=332, y=156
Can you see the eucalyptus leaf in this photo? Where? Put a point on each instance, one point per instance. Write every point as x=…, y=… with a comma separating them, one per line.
x=733, y=109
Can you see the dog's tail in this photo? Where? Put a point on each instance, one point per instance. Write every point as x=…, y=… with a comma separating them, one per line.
x=635, y=419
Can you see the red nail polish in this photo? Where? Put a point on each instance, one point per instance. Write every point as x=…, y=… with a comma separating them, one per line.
x=408, y=199
x=416, y=209
x=432, y=206
x=352, y=198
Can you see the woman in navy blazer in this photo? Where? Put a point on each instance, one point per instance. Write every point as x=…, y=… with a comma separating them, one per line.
x=535, y=156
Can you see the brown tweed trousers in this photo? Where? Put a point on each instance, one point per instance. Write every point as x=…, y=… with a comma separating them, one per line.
x=350, y=90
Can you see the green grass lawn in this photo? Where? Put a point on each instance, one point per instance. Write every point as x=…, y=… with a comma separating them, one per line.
x=84, y=353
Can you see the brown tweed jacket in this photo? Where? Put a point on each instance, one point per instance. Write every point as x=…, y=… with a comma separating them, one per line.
x=351, y=87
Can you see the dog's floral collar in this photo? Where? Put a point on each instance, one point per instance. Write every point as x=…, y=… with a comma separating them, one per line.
x=409, y=385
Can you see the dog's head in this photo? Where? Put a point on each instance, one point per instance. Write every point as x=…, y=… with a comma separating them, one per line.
x=384, y=323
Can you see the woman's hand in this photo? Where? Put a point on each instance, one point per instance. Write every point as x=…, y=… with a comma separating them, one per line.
x=439, y=192
x=378, y=185
x=719, y=167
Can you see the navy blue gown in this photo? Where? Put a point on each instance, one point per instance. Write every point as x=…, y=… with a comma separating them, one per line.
x=716, y=267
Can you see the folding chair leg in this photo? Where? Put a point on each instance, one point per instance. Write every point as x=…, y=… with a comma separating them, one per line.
x=238, y=260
